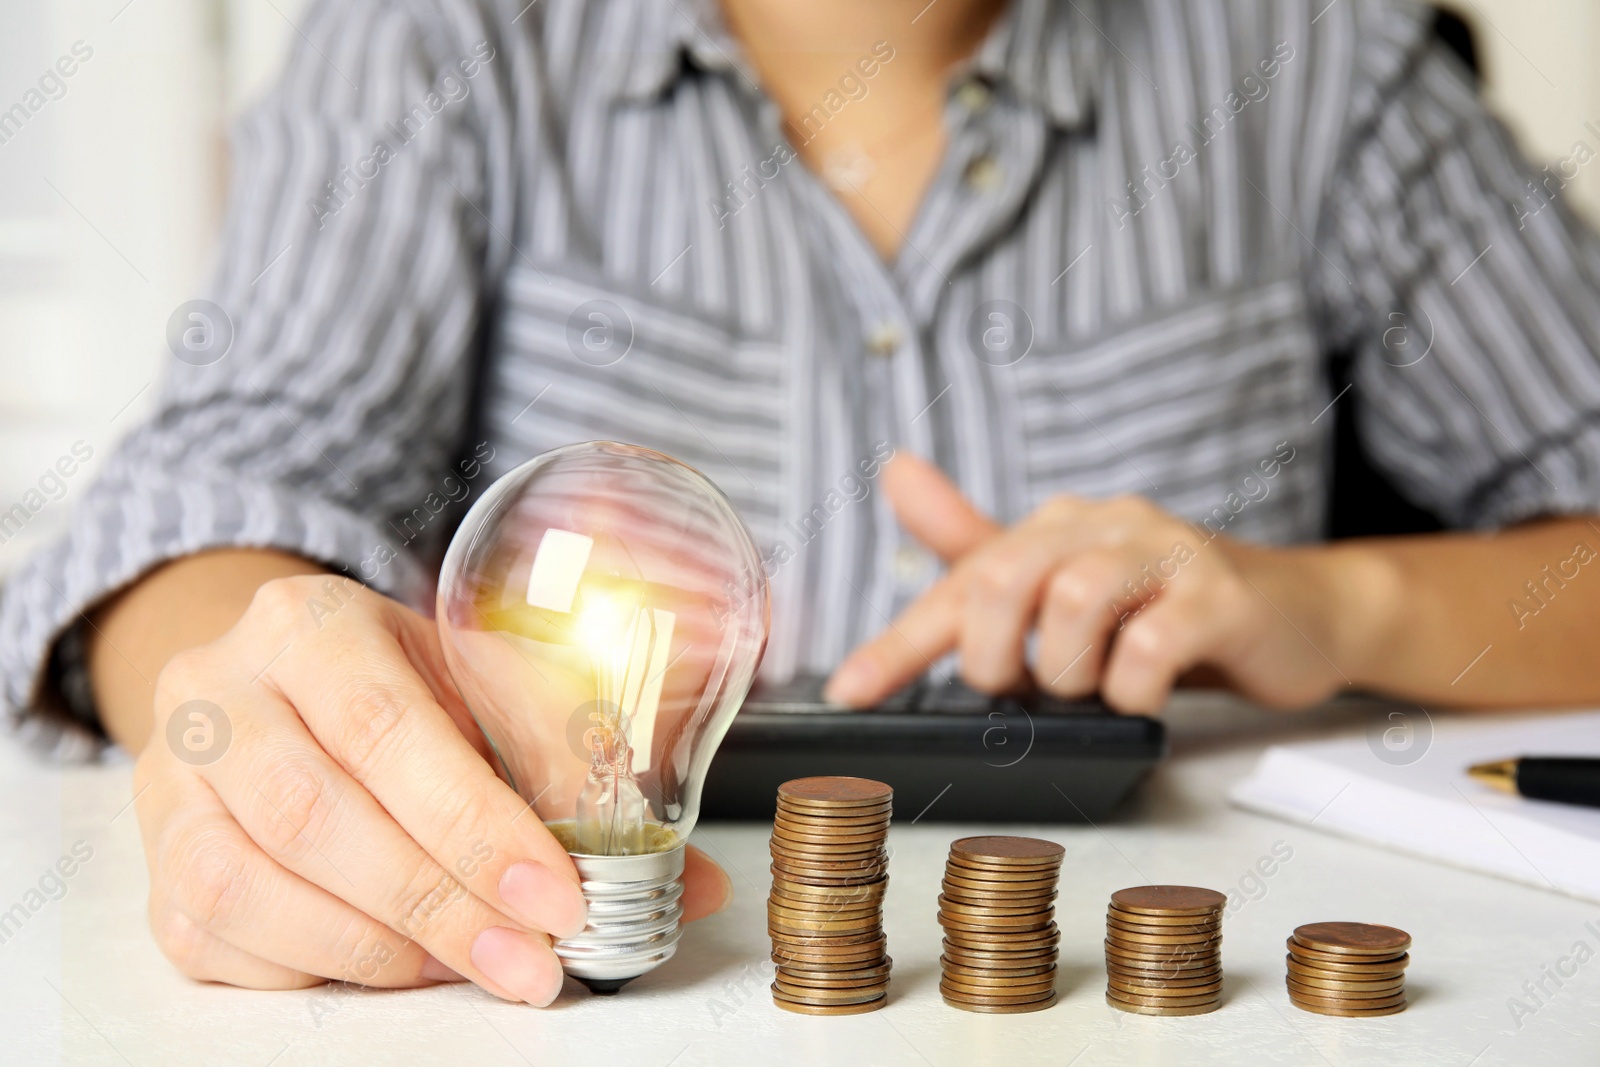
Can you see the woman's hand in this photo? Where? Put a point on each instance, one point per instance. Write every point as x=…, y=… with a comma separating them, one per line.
x=1124, y=599
x=323, y=809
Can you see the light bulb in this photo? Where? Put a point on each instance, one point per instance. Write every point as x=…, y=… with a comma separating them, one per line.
x=603, y=611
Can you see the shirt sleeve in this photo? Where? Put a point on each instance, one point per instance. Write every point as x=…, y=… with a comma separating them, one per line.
x=318, y=405
x=1468, y=292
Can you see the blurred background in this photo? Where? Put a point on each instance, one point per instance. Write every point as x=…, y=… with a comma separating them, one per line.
x=111, y=190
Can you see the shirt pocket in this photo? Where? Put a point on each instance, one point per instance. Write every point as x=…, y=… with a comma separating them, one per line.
x=605, y=364
x=1183, y=406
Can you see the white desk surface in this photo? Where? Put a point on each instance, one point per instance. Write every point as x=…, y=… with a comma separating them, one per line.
x=83, y=983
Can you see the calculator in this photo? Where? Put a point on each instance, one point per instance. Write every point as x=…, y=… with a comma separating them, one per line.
x=951, y=754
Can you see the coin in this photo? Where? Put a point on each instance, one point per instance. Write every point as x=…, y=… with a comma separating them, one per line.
x=865, y=861
x=816, y=926
x=1037, y=892
x=1347, y=969
x=791, y=876
x=834, y=791
x=1152, y=1009
x=1348, y=1012
x=1003, y=1009
x=983, y=926
x=988, y=879
x=1345, y=983
x=823, y=986
x=801, y=1007
x=800, y=911
x=1007, y=851
x=1304, y=999
x=1168, y=900
x=1000, y=908
x=965, y=998
x=1161, y=954
x=1198, y=928
x=1157, y=994
x=1163, y=950
x=825, y=910
x=1174, y=998
x=1337, y=962
x=997, y=908
x=858, y=891
x=1341, y=993
x=821, y=823
x=792, y=895
x=843, y=845
x=818, y=995
x=987, y=937
x=863, y=971
x=984, y=993
x=972, y=898
x=1346, y=974
x=864, y=954
x=999, y=984
x=952, y=966
x=824, y=858
x=1154, y=919
x=980, y=900
x=1165, y=981
x=1354, y=939
x=999, y=957
x=1121, y=936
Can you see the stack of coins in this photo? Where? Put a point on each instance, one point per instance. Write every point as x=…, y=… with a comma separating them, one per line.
x=998, y=914
x=1164, y=950
x=825, y=914
x=1348, y=969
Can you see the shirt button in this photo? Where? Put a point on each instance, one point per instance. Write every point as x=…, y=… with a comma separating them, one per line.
x=974, y=96
x=982, y=174
x=884, y=339
x=910, y=567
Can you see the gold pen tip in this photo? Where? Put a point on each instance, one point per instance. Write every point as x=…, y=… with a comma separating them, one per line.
x=1502, y=774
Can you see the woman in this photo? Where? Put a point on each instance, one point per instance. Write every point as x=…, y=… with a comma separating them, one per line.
x=1074, y=266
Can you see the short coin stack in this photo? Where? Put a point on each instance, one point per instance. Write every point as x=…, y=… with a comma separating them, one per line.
x=1350, y=969
x=1164, y=950
x=998, y=914
x=825, y=914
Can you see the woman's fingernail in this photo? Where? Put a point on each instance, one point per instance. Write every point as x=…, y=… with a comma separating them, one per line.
x=434, y=971
x=543, y=899
x=516, y=963
x=853, y=678
x=727, y=895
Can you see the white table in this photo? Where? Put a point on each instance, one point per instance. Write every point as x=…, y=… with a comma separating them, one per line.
x=83, y=983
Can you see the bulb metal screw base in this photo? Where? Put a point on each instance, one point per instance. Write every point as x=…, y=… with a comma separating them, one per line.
x=635, y=918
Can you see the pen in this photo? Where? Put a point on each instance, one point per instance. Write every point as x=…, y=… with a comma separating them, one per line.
x=1566, y=779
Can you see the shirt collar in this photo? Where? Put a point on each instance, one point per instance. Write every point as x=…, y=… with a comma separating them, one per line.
x=1045, y=52
x=1048, y=54
x=670, y=37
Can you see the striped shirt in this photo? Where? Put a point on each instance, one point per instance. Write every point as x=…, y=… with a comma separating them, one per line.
x=463, y=232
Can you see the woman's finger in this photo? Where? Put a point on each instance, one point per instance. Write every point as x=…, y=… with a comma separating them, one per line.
x=1005, y=583
x=1173, y=633
x=369, y=710
x=707, y=889
x=1084, y=609
x=931, y=508
x=308, y=815
x=912, y=644
x=209, y=877
x=205, y=957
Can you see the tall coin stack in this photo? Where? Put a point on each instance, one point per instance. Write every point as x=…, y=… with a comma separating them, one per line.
x=998, y=914
x=1164, y=950
x=825, y=913
x=1353, y=969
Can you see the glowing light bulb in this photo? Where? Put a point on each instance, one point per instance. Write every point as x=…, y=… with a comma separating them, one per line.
x=603, y=611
